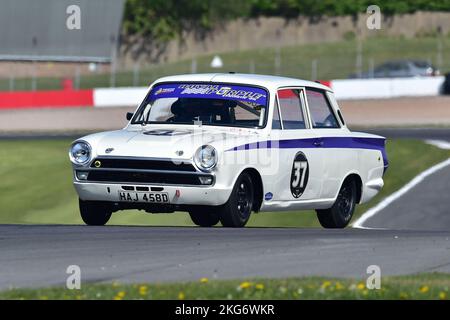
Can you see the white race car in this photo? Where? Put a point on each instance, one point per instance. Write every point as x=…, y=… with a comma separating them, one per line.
x=221, y=146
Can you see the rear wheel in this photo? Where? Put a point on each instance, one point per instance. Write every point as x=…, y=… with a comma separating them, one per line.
x=236, y=211
x=94, y=213
x=204, y=217
x=340, y=214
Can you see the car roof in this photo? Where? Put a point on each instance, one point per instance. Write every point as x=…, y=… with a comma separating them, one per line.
x=405, y=61
x=266, y=81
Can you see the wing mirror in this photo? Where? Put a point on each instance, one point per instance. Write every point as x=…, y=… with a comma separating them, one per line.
x=130, y=115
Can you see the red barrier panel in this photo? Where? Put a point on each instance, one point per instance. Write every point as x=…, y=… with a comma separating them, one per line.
x=326, y=83
x=50, y=99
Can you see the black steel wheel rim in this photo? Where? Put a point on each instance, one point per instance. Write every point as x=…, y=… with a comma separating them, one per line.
x=345, y=202
x=244, y=199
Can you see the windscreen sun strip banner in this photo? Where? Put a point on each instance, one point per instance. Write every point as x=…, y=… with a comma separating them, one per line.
x=210, y=91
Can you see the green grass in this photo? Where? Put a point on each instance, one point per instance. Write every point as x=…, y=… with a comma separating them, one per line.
x=335, y=60
x=422, y=286
x=37, y=186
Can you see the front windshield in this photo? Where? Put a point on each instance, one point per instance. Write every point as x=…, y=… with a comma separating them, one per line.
x=210, y=104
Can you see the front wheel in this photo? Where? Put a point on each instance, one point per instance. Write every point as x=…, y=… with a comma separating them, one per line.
x=94, y=213
x=236, y=211
x=340, y=214
x=204, y=217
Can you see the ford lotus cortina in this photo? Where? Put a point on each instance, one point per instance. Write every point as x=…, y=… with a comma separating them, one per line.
x=221, y=146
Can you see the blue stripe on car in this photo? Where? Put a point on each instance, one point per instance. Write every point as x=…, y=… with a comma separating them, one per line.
x=325, y=142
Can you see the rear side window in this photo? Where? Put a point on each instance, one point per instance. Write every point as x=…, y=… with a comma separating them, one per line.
x=322, y=115
x=276, y=123
x=291, y=109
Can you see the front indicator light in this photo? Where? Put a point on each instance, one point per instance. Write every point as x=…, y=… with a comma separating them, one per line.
x=206, y=180
x=82, y=175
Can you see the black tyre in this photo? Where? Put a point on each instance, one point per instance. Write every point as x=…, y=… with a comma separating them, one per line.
x=236, y=211
x=204, y=217
x=341, y=213
x=446, y=85
x=94, y=213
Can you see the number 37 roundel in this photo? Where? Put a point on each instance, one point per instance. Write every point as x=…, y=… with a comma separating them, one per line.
x=299, y=175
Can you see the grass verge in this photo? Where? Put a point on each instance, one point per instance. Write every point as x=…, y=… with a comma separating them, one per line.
x=37, y=186
x=422, y=286
x=335, y=60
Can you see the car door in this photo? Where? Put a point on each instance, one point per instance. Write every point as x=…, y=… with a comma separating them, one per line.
x=333, y=138
x=300, y=164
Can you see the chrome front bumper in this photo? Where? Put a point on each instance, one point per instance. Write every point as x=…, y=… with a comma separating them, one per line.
x=178, y=195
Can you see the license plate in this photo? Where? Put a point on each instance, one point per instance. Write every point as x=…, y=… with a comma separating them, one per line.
x=150, y=197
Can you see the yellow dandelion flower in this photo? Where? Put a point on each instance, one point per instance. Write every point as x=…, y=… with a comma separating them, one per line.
x=361, y=286
x=339, y=286
x=204, y=280
x=245, y=285
x=143, y=290
x=424, y=289
x=442, y=295
x=120, y=295
x=259, y=286
x=403, y=295
x=181, y=296
x=326, y=284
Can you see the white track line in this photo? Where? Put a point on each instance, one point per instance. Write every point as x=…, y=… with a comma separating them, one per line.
x=387, y=201
x=439, y=143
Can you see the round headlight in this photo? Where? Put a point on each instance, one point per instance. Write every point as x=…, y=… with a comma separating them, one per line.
x=80, y=153
x=206, y=158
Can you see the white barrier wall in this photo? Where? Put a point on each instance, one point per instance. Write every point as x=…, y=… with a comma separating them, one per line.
x=386, y=87
x=119, y=97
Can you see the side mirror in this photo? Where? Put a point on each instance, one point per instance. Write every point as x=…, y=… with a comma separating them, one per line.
x=130, y=115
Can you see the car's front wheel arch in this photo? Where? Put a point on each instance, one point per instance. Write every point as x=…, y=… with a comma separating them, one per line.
x=257, y=187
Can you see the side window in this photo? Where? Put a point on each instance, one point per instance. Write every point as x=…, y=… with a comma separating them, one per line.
x=276, y=123
x=320, y=110
x=291, y=109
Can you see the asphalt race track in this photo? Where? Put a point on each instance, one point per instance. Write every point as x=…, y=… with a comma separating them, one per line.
x=40, y=255
x=424, y=207
x=417, y=239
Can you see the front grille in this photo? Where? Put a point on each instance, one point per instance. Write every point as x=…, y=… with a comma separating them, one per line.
x=141, y=170
x=142, y=164
x=144, y=177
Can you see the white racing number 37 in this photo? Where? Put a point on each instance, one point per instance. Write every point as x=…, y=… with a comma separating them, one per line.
x=299, y=175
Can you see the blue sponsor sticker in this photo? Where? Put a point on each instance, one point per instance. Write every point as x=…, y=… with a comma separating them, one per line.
x=248, y=94
x=268, y=196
